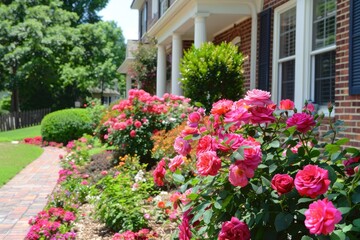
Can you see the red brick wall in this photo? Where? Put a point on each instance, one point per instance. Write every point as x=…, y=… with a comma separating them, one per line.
x=243, y=30
x=347, y=107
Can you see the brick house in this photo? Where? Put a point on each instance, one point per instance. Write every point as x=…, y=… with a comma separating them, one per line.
x=296, y=49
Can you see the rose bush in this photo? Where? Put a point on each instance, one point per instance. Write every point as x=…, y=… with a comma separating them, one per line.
x=132, y=122
x=263, y=173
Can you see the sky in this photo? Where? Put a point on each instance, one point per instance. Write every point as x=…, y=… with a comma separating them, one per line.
x=126, y=18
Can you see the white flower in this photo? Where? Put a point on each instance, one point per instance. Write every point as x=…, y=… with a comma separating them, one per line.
x=139, y=177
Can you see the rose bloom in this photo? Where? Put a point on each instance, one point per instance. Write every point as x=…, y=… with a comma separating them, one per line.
x=193, y=119
x=348, y=168
x=286, y=104
x=230, y=141
x=137, y=124
x=234, y=230
x=175, y=198
x=189, y=131
x=257, y=97
x=159, y=173
x=321, y=217
x=184, y=197
x=132, y=133
x=312, y=181
x=309, y=107
x=238, y=116
x=221, y=107
x=239, y=174
x=261, y=115
x=206, y=143
x=282, y=183
x=176, y=162
x=184, y=227
x=182, y=146
x=252, y=156
x=303, y=122
x=208, y=163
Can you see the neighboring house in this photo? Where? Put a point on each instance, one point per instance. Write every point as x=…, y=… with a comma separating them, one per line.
x=131, y=46
x=296, y=49
x=107, y=95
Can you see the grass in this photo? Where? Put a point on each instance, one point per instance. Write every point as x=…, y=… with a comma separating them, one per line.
x=20, y=134
x=14, y=157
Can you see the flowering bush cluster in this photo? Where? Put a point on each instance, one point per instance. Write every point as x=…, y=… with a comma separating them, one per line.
x=39, y=142
x=262, y=174
x=135, y=119
x=54, y=223
x=143, y=234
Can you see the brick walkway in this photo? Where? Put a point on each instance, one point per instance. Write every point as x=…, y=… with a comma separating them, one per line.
x=26, y=194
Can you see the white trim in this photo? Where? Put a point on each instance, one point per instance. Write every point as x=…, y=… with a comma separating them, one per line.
x=323, y=50
x=275, y=90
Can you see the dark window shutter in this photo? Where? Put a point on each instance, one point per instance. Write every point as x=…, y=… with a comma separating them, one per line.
x=264, y=50
x=354, y=48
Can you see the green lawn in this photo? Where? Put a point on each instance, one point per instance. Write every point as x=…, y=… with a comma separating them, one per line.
x=14, y=157
x=20, y=134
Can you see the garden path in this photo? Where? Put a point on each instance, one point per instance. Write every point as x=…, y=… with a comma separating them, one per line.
x=26, y=194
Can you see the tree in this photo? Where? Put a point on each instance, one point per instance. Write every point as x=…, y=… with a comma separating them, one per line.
x=99, y=51
x=143, y=68
x=86, y=9
x=34, y=35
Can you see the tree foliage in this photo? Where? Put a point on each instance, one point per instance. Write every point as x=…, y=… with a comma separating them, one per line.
x=87, y=10
x=211, y=72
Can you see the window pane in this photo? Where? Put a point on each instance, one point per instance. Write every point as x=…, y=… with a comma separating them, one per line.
x=325, y=78
x=164, y=5
x=287, y=79
x=287, y=33
x=324, y=23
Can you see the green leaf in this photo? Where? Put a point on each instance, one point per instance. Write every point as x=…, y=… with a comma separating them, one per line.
x=304, y=200
x=178, y=178
x=337, y=235
x=275, y=144
x=218, y=204
x=265, y=181
x=306, y=238
x=207, y=216
x=283, y=221
x=344, y=210
x=356, y=222
x=314, y=153
x=192, y=196
x=332, y=148
x=342, y=141
x=272, y=168
x=355, y=198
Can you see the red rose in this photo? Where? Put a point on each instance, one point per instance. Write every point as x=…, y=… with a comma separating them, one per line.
x=282, y=183
x=234, y=230
x=303, y=122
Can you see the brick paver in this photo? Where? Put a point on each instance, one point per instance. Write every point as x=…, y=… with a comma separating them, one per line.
x=26, y=194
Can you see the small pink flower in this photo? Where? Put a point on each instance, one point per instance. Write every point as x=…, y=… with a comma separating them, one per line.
x=182, y=146
x=147, y=216
x=175, y=198
x=84, y=182
x=282, y=183
x=184, y=228
x=120, y=126
x=303, y=122
x=104, y=173
x=184, y=197
x=61, y=156
x=348, y=168
x=286, y=104
x=132, y=133
x=234, y=230
x=221, y=107
x=312, y=181
x=257, y=97
x=176, y=162
x=229, y=142
x=321, y=217
x=309, y=107
x=261, y=115
x=239, y=174
x=206, y=143
x=159, y=173
x=137, y=124
x=193, y=119
x=208, y=163
x=85, y=176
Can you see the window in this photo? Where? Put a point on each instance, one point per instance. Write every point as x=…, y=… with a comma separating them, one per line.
x=323, y=51
x=155, y=7
x=163, y=6
x=143, y=22
x=304, y=52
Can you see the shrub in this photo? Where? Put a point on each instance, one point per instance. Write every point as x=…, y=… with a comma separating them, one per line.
x=212, y=72
x=267, y=176
x=66, y=125
x=133, y=121
x=96, y=110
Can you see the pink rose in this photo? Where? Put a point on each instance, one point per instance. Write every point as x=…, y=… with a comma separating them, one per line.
x=321, y=217
x=182, y=146
x=230, y=141
x=287, y=104
x=312, y=181
x=184, y=197
x=159, y=173
x=208, y=163
x=189, y=131
x=206, y=143
x=221, y=107
x=257, y=97
x=349, y=169
x=234, y=230
x=309, y=107
x=193, y=119
x=303, y=122
x=104, y=173
x=282, y=183
x=132, y=133
x=137, y=124
x=184, y=228
x=261, y=115
x=176, y=162
x=175, y=199
x=120, y=126
x=239, y=174
x=238, y=116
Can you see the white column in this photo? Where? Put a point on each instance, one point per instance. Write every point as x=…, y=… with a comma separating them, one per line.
x=161, y=71
x=128, y=84
x=253, y=46
x=175, y=64
x=200, y=29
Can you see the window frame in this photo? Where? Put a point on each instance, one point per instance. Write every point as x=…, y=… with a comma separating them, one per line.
x=167, y=7
x=143, y=22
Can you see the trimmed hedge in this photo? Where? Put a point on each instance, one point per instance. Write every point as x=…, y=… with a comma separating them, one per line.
x=66, y=125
